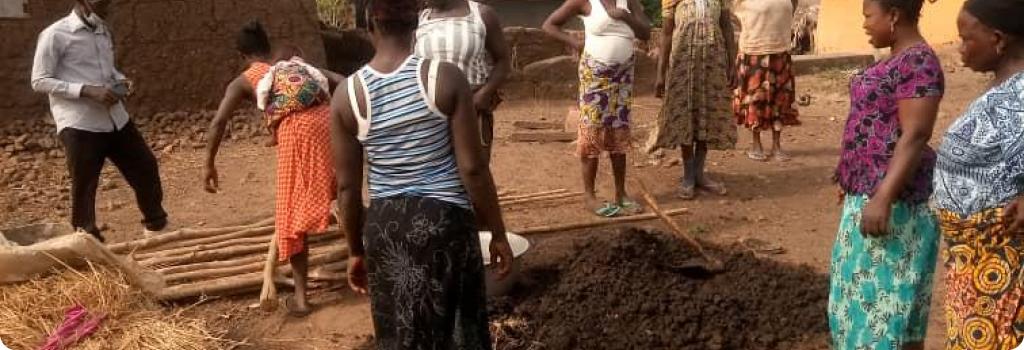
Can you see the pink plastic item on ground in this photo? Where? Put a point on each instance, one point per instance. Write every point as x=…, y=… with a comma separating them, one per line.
x=72, y=329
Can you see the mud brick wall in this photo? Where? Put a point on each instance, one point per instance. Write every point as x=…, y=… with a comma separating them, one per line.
x=180, y=53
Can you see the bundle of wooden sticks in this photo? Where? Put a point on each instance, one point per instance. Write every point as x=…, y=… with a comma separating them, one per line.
x=241, y=259
x=229, y=260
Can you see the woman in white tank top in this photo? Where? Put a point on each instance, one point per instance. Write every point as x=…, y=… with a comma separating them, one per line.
x=606, y=88
x=468, y=34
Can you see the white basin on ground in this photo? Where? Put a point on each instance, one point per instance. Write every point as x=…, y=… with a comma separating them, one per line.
x=519, y=246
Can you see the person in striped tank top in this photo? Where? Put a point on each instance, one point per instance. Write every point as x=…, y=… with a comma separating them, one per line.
x=468, y=34
x=417, y=253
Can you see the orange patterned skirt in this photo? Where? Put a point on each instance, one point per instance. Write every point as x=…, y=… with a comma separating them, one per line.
x=592, y=141
x=985, y=282
x=305, y=178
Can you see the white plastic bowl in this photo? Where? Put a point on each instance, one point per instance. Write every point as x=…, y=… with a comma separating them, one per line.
x=519, y=246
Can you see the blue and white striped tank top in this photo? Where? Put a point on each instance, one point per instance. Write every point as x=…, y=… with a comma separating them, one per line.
x=406, y=138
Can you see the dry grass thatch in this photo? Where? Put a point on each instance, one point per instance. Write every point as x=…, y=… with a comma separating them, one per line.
x=30, y=311
x=513, y=333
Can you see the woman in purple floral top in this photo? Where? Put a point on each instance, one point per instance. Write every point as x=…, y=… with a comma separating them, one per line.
x=884, y=256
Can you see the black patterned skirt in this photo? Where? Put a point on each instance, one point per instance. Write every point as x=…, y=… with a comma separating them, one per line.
x=426, y=275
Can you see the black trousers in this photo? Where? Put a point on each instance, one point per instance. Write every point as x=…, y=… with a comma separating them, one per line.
x=86, y=152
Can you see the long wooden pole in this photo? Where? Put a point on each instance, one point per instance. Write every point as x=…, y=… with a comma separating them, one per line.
x=713, y=264
x=531, y=195
x=180, y=235
x=224, y=253
x=265, y=231
x=227, y=286
x=201, y=247
x=544, y=198
x=268, y=296
x=600, y=223
x=316, y=261
x=211, y=265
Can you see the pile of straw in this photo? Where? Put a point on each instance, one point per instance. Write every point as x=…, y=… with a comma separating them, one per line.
x=513, y=333
x=30, y=311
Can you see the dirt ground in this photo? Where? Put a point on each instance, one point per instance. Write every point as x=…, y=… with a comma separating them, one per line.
x=792, y=204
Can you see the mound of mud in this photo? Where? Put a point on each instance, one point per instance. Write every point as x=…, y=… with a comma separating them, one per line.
x=620, y=292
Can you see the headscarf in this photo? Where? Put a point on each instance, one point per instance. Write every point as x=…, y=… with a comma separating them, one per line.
x=1004, y=15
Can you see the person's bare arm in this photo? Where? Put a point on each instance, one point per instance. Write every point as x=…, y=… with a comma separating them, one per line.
x=500, y=53
x=917, y=119
x=454, y=99
x=636, y=18
x=553, y=25
x=796, y=5
x=668, y=28
x=348, y=164
x=732, y=48
x=237, y=91
x=333, y=78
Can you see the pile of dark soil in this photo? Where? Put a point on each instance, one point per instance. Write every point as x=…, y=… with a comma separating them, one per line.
x=620, y=292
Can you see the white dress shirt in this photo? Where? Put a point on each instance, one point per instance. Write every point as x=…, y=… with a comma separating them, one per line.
x=69, y=56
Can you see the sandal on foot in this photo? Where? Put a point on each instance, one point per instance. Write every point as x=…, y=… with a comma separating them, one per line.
x=757, y=156
x=687, y=192
x=608, y=210
x=714, y=188
x=293, y=309
x=630, y=207
x=780, y=157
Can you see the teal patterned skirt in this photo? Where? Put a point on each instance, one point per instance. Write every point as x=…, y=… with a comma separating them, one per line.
x=881, y=288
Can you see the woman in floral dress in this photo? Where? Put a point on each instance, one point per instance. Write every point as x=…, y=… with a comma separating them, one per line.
x=884, y=256
x=695, y=76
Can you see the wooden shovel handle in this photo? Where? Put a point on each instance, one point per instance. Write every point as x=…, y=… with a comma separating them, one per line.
x=268, y=296
x=653, y=205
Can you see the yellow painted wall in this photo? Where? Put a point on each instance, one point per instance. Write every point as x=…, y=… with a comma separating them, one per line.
x=840, y=25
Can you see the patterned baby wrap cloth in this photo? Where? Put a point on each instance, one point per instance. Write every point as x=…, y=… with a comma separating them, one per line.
x=290, y=86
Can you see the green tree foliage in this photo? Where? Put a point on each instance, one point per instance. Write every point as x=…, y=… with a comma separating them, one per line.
x=653, y=9
x=336, y=13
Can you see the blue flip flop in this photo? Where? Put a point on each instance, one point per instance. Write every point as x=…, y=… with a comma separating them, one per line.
x=608, y=210
x=631, y=208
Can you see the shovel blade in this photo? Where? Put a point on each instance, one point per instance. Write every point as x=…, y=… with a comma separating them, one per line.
x=695, y=268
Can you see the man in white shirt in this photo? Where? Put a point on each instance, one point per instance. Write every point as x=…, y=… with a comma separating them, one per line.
x=74, y=65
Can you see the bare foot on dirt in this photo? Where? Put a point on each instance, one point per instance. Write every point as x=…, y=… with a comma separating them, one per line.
x=780, y=157
x=297, y=308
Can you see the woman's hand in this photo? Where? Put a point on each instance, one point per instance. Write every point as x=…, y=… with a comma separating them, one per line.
x=501, y=255
x=211, y=180
x=620, y=14
x=659, y=87
x=1014, y=216
x=874, y=218
x=357, y=279
x=733, y=77
x=577, y=46
x=483, y=100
